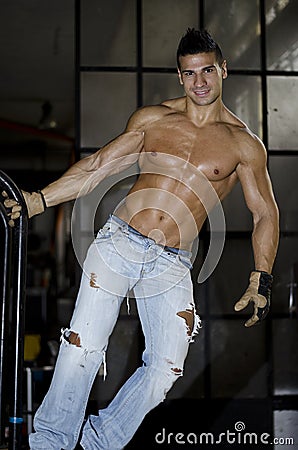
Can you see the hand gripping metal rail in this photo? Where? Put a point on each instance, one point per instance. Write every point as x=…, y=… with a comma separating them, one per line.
x=13, y=263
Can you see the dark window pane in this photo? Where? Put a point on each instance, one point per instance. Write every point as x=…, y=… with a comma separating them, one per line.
x=122, y=360
x=191, y=385
x=285, y=426
x=231, y=277
x=282, y=34
x=283, y=172
x=283, y=113
x=285, y=337
x=284, y=291
x=107, y=101
x=237, y=215
x=239, y=33
x=238, y=367
x=158, y=87
x=242, y=94
x=164, y=23
x=108, y=33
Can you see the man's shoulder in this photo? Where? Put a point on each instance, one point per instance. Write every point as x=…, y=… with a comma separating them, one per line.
x=242, y=132
x=248, y=138
x=250, y=146
x=170, y=106
x=252, y=149
x=176, y=104
x=148, y=114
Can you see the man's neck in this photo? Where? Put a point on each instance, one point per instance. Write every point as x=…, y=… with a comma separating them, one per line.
x=203, y=115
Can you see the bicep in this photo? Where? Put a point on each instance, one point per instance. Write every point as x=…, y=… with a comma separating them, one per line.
x=257, y=187
x=125, y=149
x=122, y=151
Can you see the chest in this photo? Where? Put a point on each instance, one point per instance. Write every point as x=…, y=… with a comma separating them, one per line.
x=213, y=149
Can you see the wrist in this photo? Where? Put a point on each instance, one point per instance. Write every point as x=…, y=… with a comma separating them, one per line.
x=264, y=273
x=34, y=202
x=43, y=199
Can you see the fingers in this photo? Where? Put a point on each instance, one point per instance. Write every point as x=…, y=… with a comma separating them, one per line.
x=252, y=321
x=258, y=292
x=261, y=308
x=242, y=303
x=14, y=214
x=254, y=318
x=9, y=203
x=14, y=206
x=260, y=304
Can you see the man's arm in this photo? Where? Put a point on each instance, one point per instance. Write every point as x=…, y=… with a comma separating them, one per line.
x=259, y=197
x=113, y=158
x=82, y=177
x=257, y=189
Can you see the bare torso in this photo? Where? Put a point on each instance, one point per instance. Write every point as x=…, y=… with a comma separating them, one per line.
x=184, y=170
x=191, y=152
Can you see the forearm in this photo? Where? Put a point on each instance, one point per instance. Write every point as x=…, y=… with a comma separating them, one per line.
x=87, y=173
x=265, y=241
x=76, y=181
x=82, y=177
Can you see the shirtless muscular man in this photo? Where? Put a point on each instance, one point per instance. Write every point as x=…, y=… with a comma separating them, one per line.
x=185, y=147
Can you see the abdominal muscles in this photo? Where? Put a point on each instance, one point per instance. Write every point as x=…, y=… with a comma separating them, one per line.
x=165, y=211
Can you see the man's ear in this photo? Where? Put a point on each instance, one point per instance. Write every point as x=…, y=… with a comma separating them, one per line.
x=180, y=77
x=224, y=70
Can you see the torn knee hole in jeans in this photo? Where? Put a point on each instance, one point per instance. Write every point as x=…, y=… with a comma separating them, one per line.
x=72, y=337
x=93, y=278
x=188, y=316
x=176, y=370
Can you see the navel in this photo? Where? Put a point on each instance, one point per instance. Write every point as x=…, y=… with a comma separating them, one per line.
x=216, y=171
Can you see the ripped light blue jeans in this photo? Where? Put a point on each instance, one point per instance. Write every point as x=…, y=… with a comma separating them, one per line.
x=118, y=260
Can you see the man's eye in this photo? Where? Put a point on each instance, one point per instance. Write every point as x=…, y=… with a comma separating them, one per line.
x=188, y=74
x=209, y=70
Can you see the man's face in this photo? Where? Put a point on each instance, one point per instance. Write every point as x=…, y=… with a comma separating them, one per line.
x=201, y=76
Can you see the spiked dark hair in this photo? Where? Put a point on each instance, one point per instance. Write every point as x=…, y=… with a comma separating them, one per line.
x=198, y=41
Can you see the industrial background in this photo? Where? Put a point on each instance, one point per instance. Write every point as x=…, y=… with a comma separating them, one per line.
x=72, y=72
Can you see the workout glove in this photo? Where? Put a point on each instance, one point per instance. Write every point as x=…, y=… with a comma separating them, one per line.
x=258, y=292
x=35, y=203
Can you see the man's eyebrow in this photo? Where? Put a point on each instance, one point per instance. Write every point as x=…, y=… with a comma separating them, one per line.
x=212, y=66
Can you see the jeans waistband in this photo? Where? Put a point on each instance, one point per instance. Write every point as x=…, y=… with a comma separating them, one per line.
x=175, y=250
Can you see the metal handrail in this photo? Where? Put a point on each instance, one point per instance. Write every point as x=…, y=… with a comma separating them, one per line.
x=12, y=316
